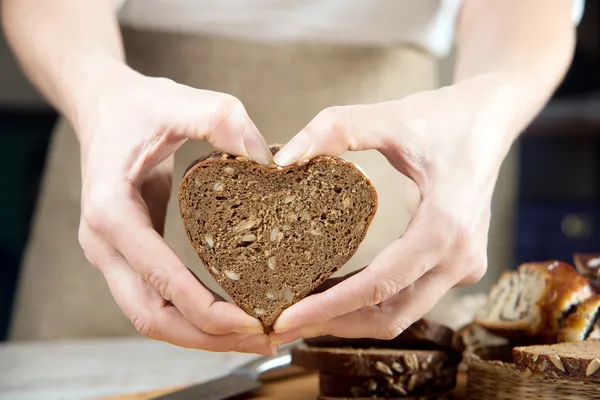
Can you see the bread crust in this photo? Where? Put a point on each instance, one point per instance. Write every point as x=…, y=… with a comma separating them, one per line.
x=269, y=315
x=564, y=287
x=416, y=384
x=579, y=324
x=557, y=360
x=588, y=265
x=369, y=362
x=424, y=334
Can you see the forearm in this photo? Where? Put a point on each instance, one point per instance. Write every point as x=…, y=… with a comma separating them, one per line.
x=526, y=46
x=65, y=47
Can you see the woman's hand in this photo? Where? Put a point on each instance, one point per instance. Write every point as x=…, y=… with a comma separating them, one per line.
x=450, y=142
x=129, y=129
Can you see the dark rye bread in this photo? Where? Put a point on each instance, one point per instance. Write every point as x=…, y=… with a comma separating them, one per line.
x=369, y=362
x=417, y=384
x=580, y=360
x=580, y=324
x=442, y=396
x=271, y=235
x=532, y=301
x=421, y=335
x=588, y=265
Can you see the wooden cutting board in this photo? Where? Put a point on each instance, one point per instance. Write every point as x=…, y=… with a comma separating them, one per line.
x=305, y=387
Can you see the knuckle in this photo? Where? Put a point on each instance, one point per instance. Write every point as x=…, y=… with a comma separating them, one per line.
x=331, y=120
x=477, y=268
x=97, y=208
x=391, y=330
x=228, y=113
x=145, y=325
x=383, y=289
x=160, y=280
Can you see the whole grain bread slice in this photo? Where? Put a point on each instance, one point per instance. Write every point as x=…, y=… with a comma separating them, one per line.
x=580, y=324
x=369, y=362
x=574, y=360
x=533, y=300
x=435, y=396
x=424, y=334
x=269, y=236
x=416, y=384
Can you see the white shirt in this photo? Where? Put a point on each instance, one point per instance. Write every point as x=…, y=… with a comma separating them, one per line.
x=428, y=24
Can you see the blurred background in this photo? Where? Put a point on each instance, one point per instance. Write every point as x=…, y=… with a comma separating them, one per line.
x=546, y=205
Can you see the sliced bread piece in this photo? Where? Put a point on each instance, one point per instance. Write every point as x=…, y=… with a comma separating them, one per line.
x=588, y=265
x=269, y=236
x=531, y=301
x=417, y=384
x=475, y=336
x=424, y=334
x=580, y=360
x=369, y=362
x=437, y=396
x=580, y=324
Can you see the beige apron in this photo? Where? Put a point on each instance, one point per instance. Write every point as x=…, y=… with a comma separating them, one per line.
x=282, y=86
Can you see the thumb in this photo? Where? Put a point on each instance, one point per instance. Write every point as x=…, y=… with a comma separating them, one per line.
x=335, y=130
x=222, y=120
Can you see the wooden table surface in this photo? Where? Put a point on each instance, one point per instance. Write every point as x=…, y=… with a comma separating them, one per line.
x=91, y=369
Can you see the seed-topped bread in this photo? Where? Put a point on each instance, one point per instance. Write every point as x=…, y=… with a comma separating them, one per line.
x=588, y=265
x=533, y=300
x=580, y=360
x=369, y=362
x=417, y=384
x=424, y=334
x=269, y=236
x=580, y=324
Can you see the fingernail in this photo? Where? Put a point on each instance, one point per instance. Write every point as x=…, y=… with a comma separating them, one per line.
x=274, y=350
x=257, y=148
x=294, y=150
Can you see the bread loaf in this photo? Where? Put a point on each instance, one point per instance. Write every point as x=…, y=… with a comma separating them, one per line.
x=579, y=360
x=424, y=334
x=533, y=300
x=416, y=384
x=441, y=396
x=580, y=324
x=269, y=236
x=588, y=265
x=369, y=362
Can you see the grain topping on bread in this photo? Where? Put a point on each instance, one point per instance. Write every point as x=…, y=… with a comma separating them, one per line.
x=421, y=383
x=369, y=362
x=269, y=236
x=533, y=300
x=579, y=360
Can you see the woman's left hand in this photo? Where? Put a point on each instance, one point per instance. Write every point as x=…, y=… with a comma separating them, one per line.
x=450, y=142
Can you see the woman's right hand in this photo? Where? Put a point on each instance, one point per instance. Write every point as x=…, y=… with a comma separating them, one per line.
x=129, y=127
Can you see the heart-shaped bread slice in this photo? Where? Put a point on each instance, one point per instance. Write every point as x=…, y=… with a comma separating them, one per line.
x=270, y=236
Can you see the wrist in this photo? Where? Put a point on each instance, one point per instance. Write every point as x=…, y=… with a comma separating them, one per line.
x=84, y=78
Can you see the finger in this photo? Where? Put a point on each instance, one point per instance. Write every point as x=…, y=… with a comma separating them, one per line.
x=419, y=249
x=156, y=192
x=157, y=319
x=218, y=118
x=119, y=214
x=384, y=321
x=150, y=313
x=335, y=130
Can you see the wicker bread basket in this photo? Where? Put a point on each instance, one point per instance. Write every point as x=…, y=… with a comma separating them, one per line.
x=492, y=375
